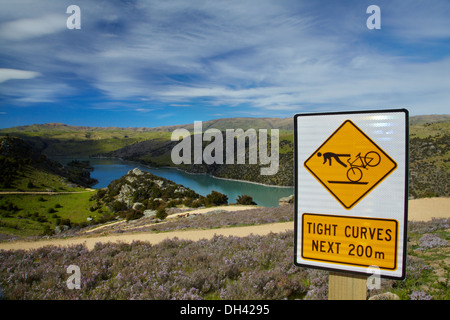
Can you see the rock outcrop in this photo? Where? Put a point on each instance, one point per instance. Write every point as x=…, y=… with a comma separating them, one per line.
x=286, y=200
x=140, y=193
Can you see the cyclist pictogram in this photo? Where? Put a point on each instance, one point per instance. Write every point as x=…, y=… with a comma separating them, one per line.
x=349, y=164
x=354, y=173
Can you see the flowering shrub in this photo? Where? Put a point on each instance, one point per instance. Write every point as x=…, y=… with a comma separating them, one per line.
x=429, y=241
x=420, y=295
x=318, y=289
x=252, y=267
x=429, y=226
x=215, y=219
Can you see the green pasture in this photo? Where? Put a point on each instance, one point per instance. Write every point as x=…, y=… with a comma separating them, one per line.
x=30, y=214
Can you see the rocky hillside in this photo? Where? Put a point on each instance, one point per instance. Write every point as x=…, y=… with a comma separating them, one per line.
x=140, y=193
x=250, y=172
x=157, y=152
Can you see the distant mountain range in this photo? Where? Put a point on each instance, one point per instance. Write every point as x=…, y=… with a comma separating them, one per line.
x=419, y=120
x=221, y=124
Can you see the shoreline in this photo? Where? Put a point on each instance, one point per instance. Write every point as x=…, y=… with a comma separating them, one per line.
x=227, y=179
x=192, y=173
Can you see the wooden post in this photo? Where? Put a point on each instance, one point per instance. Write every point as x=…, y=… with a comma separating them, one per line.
x=347, y=286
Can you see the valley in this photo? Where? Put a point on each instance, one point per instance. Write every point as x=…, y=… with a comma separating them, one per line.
x=33, y=215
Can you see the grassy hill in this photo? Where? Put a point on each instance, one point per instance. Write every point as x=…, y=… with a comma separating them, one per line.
x=80, y=141
x=38, y=194
x=20, y=161
x=429, y=156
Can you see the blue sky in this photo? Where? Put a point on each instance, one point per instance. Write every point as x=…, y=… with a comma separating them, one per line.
x=138, y=63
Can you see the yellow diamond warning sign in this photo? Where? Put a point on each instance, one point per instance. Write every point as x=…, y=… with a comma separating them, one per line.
x=349, y=164
x=351, y=191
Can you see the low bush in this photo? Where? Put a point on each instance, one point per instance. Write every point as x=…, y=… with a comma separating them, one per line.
x=216, y=199
x=245, y=200
x=161, y=213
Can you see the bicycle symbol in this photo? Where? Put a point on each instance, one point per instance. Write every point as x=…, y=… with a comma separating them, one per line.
x=354, y=173
x=371, y=159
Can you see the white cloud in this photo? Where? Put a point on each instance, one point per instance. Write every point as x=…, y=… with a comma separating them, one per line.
x=24, y=29
x=35, y=91
x=11, y=74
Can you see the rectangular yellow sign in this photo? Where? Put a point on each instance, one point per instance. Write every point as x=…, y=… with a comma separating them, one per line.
x=348, y=240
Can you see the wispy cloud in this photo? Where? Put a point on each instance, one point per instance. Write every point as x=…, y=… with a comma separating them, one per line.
x=418, y=21
x=269, y=58
x=11, y=74
x=33, y=90
x=164, y=115
x=24, y=29
x=143, y=110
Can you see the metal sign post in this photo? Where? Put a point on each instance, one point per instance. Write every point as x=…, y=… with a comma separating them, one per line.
x=351, y=187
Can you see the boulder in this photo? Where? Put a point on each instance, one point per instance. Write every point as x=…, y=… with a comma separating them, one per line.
x=137, y=206
x=136, y=172
x=130, y=179
x=125, y=194
x=149, y=213
x=159, y=183
x=385, y=296
x=286, y=200
x=180, y=190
